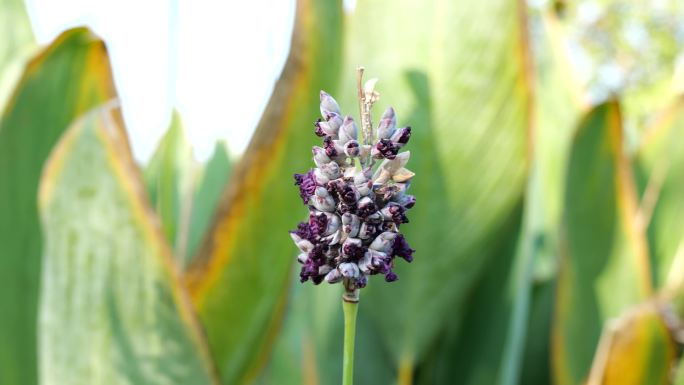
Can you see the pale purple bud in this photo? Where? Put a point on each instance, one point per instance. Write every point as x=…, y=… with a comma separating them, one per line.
x=363, y=185
x=351, y=224
x=389, y=167
x=352, y=149
x=333, y=238
x=331, y=170
x=405, y=200
x=365, y=263
x=301, y=258
x=319, y=156
x=328, y=104
x=322, y=200
x=367, y=230
x=387, y=124
x=353, y=248
x=324, y=269
x=334, y=223
x=349, y=270
x=303, y=245
x=334, y=121
x=320, y=177
x=383, y=242
x=348, y=131
x=401, y=136
x=333, y=276
x=379, y=261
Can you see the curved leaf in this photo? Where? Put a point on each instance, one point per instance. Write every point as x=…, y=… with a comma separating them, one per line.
x=660, y=163
x=205, y=201
x=16, y=44
x=112, y=310
x=458, y=73
x=69, y=77
x=169, y=178
x=602, y=246
x=635, y=349
x=241, y=274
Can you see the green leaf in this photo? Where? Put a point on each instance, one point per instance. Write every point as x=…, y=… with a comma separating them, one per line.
x=69, y=77
x=169, y=178
x=603, y=247
x=660, y=163
x=242, y=271
x=457, y=72
x=213, y=181
x=112, y=309
x=16, y=45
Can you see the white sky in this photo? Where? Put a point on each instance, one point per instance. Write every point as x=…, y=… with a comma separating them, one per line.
x=215, y=61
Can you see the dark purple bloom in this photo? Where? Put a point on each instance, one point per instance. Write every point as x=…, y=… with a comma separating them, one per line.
x=402, y=249
x=307, y=185
x=391, y=276
x=329, y=147
x=387, y=149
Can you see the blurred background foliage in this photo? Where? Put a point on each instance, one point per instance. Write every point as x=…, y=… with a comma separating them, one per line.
x=549, y=160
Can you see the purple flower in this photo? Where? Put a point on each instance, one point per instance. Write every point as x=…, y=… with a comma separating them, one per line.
x=354, y=213
x=307, y=185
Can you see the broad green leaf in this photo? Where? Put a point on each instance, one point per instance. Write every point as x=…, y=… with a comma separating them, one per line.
x=457, y=72
x=112, y=310
x=604, y=264
x=69, y=77
x=242, y=272
x=472, y=350
x=635, y=349
x=660, y=163
x=169, y=178
x=16, y=45
x=207, y=195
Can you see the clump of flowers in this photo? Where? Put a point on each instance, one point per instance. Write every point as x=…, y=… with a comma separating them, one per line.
x=355, y=209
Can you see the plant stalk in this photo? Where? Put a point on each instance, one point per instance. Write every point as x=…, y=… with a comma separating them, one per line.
x=350, y=304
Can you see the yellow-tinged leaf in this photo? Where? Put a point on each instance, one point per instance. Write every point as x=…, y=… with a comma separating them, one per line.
x=67, y=78
x=603, y=246
x=635, y=349
x=242, y=272
x=112, y=310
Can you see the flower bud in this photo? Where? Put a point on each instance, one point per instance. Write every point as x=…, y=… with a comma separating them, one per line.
x=353, y=248
x=301, y=258
x=322, y=200
x=383, y=242
x=368, y=230
x=304, y=245
x=333, y=224
x=366, y=207
x=324, y=269
x=352, y=149
x=387, y=124
x=351, y=224
x=395, y=213
x=385, y=148
x=365, y=263
x=348, y=131
x=328, y=104
x=401, y=136
x=319, y=156
x=333, y=276
x=320, y=178
x=331, y=170
x=349, y=270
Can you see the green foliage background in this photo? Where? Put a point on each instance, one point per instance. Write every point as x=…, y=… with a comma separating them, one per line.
x=548, y=225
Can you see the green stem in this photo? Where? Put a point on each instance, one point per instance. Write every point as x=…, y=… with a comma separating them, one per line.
x=350, y=304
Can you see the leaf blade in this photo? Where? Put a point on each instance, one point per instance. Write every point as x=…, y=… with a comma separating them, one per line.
x=112, y=309
x=64, y=80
